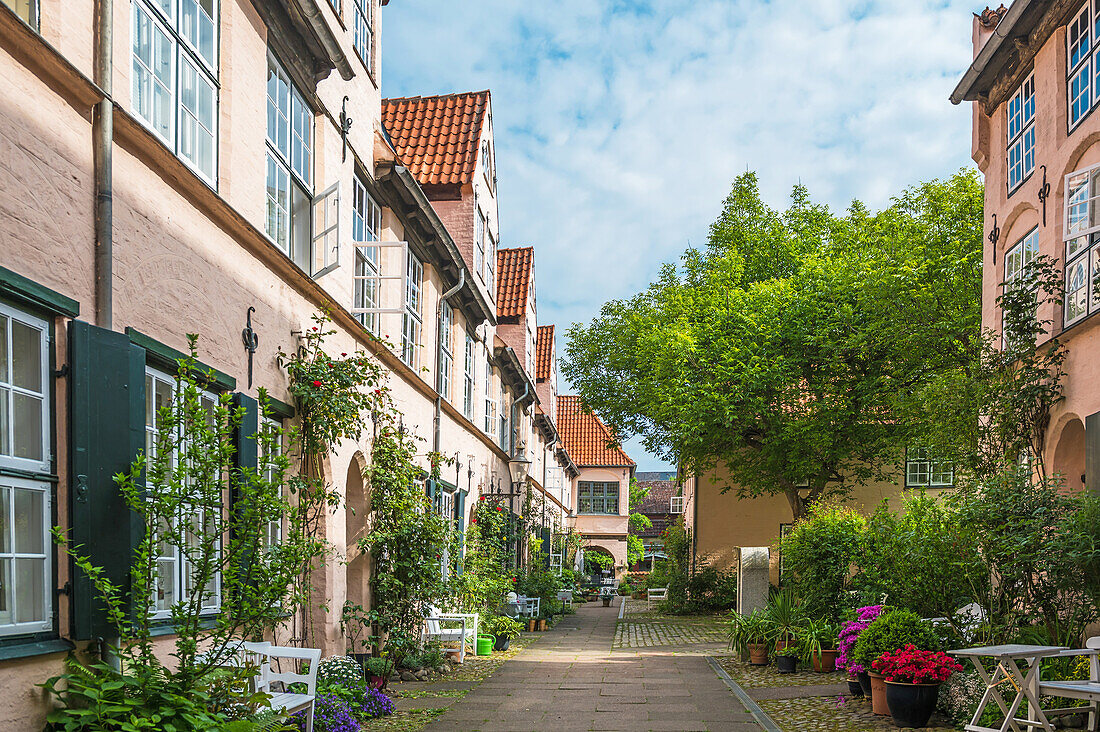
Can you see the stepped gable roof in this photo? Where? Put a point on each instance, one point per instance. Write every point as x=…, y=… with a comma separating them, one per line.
x=588, y=441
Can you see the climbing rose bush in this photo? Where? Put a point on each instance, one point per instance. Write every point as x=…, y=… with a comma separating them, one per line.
x=849, y=634
x=910, y=665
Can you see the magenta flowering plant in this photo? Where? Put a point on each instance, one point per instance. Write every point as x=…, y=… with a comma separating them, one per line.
x=849, y=634
x=911, y=665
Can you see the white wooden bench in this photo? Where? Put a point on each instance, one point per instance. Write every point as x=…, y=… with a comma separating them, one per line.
x=659, y=594
x=287, y=701
x=1084, y=690
x=441, y=626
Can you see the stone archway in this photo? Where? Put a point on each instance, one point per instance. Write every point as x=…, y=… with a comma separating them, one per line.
x=602, y=551
x=1069, y=456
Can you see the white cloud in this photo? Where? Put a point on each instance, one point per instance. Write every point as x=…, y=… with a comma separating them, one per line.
x=620, y=124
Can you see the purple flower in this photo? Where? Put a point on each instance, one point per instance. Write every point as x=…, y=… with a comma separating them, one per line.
x=849, y=634
x=376, y=704
x=329, y=715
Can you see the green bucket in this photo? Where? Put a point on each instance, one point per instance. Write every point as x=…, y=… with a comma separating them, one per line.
x=485, y=644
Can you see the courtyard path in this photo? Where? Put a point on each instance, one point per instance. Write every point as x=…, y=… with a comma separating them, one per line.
x=582, y=675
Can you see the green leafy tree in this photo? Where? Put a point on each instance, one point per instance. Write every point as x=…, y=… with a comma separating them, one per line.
x=638, y=522
x=793, y=350
x=818, y=556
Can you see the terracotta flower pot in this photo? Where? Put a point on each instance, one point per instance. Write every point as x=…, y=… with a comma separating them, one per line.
x=758, y=654
x=878, y=694
x=542, y=623
x=825, y=661
x=532, y=624
x=911, y=705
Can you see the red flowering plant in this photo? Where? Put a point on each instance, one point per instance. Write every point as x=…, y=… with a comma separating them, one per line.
x=911, y=665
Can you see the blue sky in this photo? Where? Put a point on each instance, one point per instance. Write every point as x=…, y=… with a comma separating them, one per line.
x=620, y=124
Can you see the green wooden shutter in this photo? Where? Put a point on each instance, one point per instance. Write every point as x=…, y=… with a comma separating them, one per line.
x=244, y=437
x=1092, y=451
x=107, y=413
x=460, y=522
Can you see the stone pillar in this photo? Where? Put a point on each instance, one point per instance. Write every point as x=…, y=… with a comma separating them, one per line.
x=753, y=580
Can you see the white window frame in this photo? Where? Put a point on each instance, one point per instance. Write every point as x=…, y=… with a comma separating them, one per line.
x=1082, y=64
x=291, y=157
x=446, y=348
x=676, y=504
x=411, y=320
x=1020, y=134
x=9, y=391
x=366, y=233
x=274, y=533
x=480, y=224
x=469, y=377
x=9, y=624
x=180, y=576
x=490, y=261
x=183, y=51
x=1081, y=241
x=1016, y=259
x=921, y=471
x=491, y=404
x=363, y=17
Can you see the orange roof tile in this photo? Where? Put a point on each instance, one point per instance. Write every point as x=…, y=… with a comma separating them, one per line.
x=437, y=137
x=544, y=348
x=587, y=440
x=513, y=281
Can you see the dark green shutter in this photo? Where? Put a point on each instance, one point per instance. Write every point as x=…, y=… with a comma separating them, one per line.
x=107, y=413
x=1092, y=451
x=244, y=438
x=460, y=522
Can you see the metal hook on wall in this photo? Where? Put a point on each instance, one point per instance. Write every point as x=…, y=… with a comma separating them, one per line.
x=251, y=341
x=345, y=127
x=994, y=235
x=1044, y=193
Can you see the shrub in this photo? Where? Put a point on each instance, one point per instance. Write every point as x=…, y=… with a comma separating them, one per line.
x=850, y=633
x=818, y=554
x=340, y=670
x=892, y=630
x=712, y=589
x=503, y=626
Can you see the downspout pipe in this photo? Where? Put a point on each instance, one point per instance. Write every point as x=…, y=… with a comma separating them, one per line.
x=102, y=142
x=439, y=355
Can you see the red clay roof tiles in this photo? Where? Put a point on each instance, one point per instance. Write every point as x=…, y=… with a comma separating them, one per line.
x=587, y=440
x=437, y=137
x=544, y=350
x=513, y=281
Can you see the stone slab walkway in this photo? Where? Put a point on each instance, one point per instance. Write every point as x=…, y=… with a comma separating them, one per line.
x=572, y=679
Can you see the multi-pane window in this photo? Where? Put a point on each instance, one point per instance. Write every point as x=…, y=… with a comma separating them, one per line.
x=366, y=227
x=411, y=323
x=175, y=574
x=446, y=348
x=363, y=21
x=289, y=166
x=1082, y=242
x=1017, y=259
x=175, y=76
x=921, y=471
x=479, y=242
x=468, y=379
x=25, y=576
x=1021, y=133
x=676, y=504
x=490, y=261
x=490, y=400
x=24, y=385
x=273, y=535
x=505, y=435
x=1082, y=64
x=597, y=497
x=25, y=9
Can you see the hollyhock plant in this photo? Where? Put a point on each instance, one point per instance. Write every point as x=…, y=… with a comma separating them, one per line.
x=911, y=665
x=849, y=634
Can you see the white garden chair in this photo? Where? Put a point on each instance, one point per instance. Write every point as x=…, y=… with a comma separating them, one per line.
x=1088, y=691
x=287, y=701
x=530, y=606
x=660, y=594
x=441, y=626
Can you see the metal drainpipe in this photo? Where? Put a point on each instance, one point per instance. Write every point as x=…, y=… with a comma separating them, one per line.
x=439, y=354
x=102, y=140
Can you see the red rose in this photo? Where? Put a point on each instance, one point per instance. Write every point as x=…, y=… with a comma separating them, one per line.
x=499, y=508
x=316, y=383
x=343, y=354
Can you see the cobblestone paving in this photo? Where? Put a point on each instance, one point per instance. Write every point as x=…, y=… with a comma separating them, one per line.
x=750, y=677
x=669, y=632
x=834, y=714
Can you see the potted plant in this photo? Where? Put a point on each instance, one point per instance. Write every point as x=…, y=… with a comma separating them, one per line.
x=784, y=617
x=859, y=683
x=355, y=624
x=625, y=588
x=817, y=638
x=786, y=657
x=606, y=593
x=378, y=668
x=749, y=636
x=913, y=679
x=504, y=629
x=890, y=631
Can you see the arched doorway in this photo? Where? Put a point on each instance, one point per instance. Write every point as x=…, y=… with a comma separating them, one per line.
x=356, y=526
x=1069, y=456
x=598, y=564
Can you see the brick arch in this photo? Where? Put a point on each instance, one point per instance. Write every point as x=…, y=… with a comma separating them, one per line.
x=1069, y=455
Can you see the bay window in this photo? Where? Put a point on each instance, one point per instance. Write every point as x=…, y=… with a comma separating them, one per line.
x=174, y=82
x=411, y=323
x=598, y=497
x=468, y=379
x=1021, y=133
x=1081, y=238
